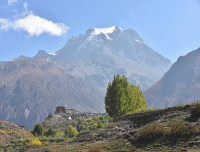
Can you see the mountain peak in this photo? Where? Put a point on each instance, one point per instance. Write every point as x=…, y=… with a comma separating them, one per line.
x=21, y=57
x=134, y=35
x=41, y=53
x=105, y=31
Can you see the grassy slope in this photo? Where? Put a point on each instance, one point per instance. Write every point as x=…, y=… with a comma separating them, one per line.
x=121, y=142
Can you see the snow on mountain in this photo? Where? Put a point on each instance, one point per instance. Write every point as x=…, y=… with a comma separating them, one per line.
x=96, y=58
x=105, y=31
x=101, y=53
x=52, y=53
x=137, y=40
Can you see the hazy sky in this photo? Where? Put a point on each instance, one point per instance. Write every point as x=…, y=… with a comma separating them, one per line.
x=169, y=27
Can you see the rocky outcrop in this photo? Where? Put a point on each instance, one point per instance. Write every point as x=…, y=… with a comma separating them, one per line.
x=11, y=126
x=59, y=121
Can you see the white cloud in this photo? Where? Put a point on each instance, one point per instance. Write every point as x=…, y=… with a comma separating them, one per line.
x=10, y=2
x=36, y=25
x=33, y=24
x=26, y=6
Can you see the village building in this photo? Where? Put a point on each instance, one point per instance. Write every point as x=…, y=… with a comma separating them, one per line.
x=60, y=109
x=69, y=113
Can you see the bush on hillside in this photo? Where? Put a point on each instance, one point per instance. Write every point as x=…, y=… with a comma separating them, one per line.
x=181, y=130
x=52, y=132
x=38, y=129
x=149, y=132
x=155, y=130
x=195, y=110
x=99, y=125
x=101, y=118
x=94, y=126
x=71, y=132
x=95, y=149
x=95, y=118
x=49, y=131
x=35, y=142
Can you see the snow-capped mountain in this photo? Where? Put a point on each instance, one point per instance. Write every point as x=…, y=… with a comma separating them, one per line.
x=77, y=75
x=101, y=53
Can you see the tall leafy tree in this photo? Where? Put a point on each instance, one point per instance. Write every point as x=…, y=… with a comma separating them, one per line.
x=113, y=95
x=135, y=99
x=123, y=97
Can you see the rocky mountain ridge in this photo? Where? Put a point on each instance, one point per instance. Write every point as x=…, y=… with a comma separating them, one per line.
x=31, y=89
x=101, y=53
x=180, y=84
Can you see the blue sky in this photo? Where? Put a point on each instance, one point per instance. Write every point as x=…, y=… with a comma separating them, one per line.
x=169, y=27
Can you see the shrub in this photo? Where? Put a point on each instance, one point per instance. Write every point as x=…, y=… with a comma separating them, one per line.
x=43, y=139
x=59, y=140
x=99, y=125
x=95, y=118
x=52, y=132
x=38, y=129
x=101, y=118
x=95, y=149
x=57, y=132
x=71, y=132
x=110, y=120
x=35, y=141
x=181, y=130
x=154, y=131
x=149, y=132
x=94, y=126
x=49, y=131
x=195, y=110
x=52, y=139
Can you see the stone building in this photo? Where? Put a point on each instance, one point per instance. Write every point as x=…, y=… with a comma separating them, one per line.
x=58, y=109
x=69, y=113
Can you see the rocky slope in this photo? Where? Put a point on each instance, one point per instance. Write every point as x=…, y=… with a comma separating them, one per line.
x=31, y=89
x=180, y=84
x=59, y=121
x=118, y=136
x=10, y=131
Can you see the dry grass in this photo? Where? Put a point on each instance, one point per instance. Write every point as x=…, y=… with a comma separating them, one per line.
x=95, y=149
x=7, y=135
x=173, y=138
